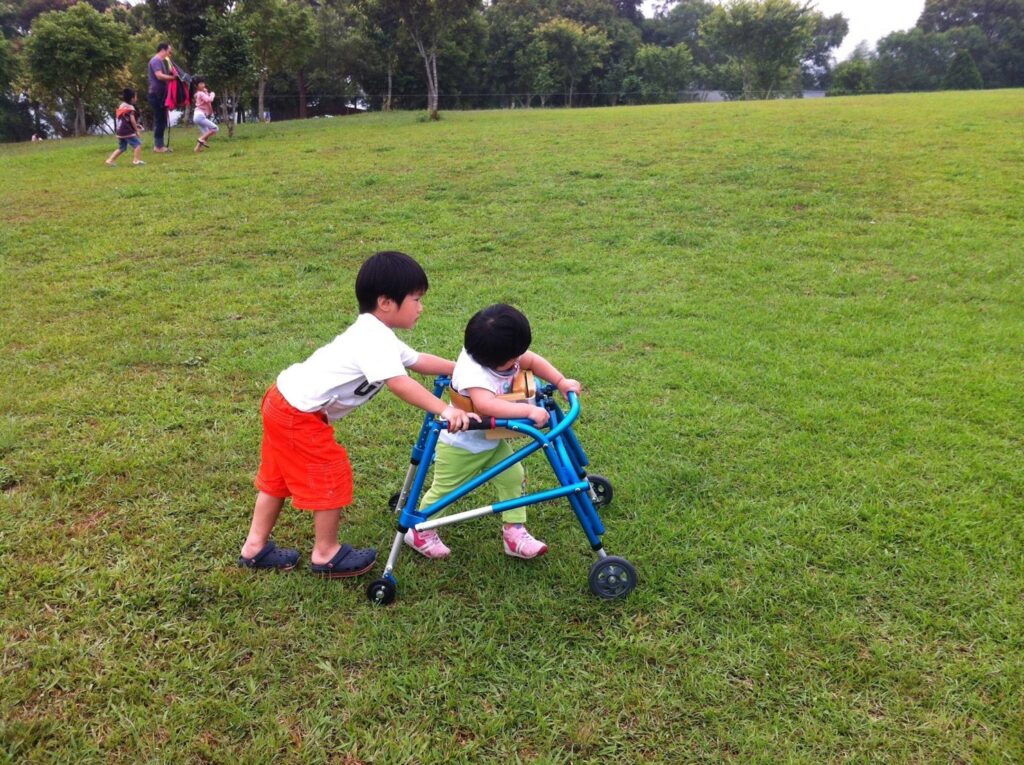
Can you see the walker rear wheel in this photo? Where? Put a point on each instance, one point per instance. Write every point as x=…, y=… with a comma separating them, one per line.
x=612, y=577
x=393, y=501
x=381, y=591
x=602, y=490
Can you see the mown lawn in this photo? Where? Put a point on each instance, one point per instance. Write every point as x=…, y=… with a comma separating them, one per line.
x=800, y=328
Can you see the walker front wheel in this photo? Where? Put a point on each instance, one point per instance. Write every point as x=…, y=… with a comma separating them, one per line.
x=602, y=489
x=381, y=591
x=393, y=501
x=612, y=577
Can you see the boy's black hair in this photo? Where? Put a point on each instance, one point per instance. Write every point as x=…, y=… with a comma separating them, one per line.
x=496, y=335
x=388, y=274
x=163, y=46
x=127, y=95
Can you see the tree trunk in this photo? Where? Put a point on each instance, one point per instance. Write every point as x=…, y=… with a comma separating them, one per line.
x=430, y=62
x=227, y=113
x=79, y=116
x=387, y=97
x=433, y=66
x=303, y=112
x=261, y=88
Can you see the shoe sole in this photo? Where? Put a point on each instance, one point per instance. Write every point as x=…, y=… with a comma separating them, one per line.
x=512, y=554
x=424, y=554
x=342, y=574
x=268, y=568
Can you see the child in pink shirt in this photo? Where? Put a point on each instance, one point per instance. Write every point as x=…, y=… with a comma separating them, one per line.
x=203, y=114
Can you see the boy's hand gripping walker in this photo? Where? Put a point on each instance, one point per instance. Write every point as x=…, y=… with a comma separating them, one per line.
x=610, y=576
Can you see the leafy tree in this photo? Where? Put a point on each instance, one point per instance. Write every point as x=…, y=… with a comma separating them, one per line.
x=852, y=78
x=624, y=39
x=71, y=54
x=994, y=17
x=675, y=23
x=680, y=22
x=766, y=39
x=346, y=57
x=962, y=74
x=515, y=64
x=912, y=60
x=16, y=16
x=829, y=33
x=283, y=36
x=186, y=22
x=571, y=50
x=533, y=73
x=15, y=120
x=998, y=46
x=428, y=23
x=660, y=73
x=382, y=27
x=226, y=49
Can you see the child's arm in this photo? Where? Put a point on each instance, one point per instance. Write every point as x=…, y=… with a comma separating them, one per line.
x=411, y=392
x=543, y=368
x=433, y=365
x=489, y=405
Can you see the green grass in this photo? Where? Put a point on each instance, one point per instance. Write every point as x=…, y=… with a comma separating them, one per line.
x=800, y=329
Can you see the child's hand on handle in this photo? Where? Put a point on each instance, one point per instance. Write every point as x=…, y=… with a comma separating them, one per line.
x=457, y=419
x=539, y=415
x=567, y=386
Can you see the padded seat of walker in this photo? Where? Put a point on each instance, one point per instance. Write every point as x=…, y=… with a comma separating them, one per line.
x=524, y=391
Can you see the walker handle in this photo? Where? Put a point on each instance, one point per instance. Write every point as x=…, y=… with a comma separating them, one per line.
x=486, y=423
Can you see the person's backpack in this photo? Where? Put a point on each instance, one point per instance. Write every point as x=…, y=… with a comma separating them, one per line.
x=124, y=122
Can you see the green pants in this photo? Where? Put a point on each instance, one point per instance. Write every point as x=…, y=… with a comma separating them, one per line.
x=454, y=466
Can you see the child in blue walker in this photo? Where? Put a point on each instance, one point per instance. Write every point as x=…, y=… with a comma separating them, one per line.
x=495, y=350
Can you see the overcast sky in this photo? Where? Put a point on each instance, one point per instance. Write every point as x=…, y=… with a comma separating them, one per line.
x=869, y=19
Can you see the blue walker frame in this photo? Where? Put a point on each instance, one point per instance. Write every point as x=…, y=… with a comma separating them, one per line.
x=610, y=576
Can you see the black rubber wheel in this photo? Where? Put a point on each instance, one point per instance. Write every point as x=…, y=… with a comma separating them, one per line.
x=612, y=578
x=393, y=501
x=602, y=489
x=381, y=592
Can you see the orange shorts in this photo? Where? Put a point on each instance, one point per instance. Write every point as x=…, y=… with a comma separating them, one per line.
x=300, y=458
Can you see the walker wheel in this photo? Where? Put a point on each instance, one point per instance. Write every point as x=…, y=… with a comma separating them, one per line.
x=612, y=577
x=393, y=501
x=602, y=490
x=381, y=591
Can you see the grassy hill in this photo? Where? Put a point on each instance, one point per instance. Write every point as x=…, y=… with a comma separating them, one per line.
x=800, y=329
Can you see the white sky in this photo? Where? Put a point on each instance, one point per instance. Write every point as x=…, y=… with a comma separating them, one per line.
x=869, y=19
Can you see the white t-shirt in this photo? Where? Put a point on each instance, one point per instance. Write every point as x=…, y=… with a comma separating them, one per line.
x=468, y=374
x=348, y=371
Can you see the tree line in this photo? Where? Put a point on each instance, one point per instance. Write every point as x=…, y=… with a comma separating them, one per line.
x=63, y=62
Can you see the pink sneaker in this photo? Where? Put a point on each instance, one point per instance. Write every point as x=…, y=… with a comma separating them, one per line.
x=519, y=543
x=427, y=543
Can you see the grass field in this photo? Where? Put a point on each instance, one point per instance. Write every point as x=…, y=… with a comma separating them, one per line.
x=800, y=328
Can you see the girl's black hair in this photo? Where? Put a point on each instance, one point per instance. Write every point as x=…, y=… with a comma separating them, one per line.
x=496, y=335
x=388, y=274
x=127, y=95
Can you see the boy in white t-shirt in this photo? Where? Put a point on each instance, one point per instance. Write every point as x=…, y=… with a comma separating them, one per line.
x=300, y=458
x=495, y=350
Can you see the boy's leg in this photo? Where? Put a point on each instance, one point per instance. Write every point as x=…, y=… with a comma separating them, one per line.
x=112, y=157
x=332, y=560
x=264, y=516
x=325, y=535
